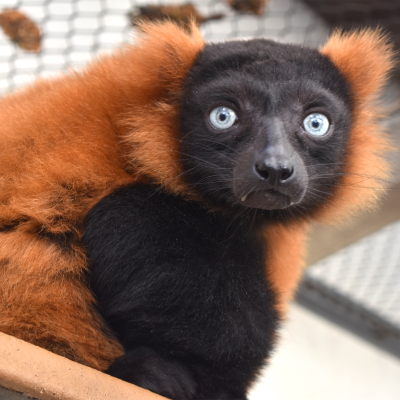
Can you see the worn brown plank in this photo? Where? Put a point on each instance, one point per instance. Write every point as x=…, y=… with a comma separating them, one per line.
x=39, y=373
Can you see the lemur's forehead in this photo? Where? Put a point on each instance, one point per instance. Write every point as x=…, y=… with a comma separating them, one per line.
x=265, y=63
x=260, y=52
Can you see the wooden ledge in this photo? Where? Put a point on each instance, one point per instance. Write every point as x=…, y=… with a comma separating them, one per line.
x=39, y=373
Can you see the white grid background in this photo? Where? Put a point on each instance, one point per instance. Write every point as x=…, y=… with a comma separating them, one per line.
x=74, y=30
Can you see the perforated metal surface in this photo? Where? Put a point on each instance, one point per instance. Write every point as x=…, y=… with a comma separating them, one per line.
x=6, y=394
x=367, y=272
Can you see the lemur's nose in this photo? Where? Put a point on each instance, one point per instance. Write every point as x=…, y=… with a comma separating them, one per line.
x=273, y=172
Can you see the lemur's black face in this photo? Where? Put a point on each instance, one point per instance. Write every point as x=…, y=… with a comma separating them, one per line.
x=264, y=126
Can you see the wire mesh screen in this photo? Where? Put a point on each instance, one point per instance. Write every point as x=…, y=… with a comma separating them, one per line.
x=367, y=272
x=72, y=31
x=350, y=14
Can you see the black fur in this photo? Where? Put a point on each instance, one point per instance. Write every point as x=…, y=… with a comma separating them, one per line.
x=185, y=292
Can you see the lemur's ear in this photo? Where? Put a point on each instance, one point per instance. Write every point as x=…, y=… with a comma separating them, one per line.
x=363, y=57
x=155, y=68
x=167, y=52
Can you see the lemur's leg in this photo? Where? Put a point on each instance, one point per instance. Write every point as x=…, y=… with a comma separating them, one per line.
x=171, y=377
x=44, y=299
x=143, y=367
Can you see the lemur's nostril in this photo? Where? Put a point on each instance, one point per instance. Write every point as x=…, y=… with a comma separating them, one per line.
x=286, y=174
x=262, y=172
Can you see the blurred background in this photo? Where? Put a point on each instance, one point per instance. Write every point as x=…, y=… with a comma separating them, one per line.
x=342, y=337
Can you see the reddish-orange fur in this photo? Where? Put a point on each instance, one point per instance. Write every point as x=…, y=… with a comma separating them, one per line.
x=285, y=251
x=64, y=145
x=364, y=58
x=68, y=142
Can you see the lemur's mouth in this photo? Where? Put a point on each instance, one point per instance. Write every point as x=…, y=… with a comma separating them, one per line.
x=270, y=191
x=267, y=199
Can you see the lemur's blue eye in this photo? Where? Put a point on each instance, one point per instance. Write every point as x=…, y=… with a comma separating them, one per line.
x=222, y=117
x=316, y=124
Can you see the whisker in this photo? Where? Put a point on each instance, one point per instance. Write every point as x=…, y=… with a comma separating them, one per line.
x=224, y=144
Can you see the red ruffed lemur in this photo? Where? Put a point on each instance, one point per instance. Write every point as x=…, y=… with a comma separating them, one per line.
x=153, y=205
